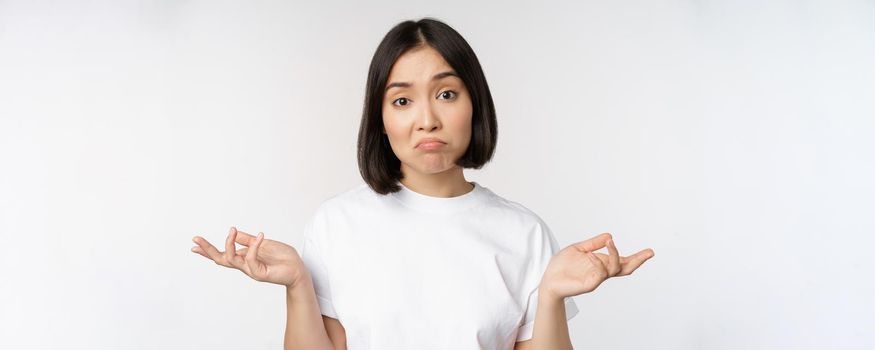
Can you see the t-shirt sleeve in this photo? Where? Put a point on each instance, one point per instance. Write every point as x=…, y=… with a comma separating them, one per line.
x=544, y=248
x=314, y=260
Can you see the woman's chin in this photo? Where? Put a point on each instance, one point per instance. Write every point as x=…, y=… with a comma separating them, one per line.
x=432, y=167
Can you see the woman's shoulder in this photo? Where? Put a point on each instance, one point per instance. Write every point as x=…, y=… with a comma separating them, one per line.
x=347, y=198
x=360, y=197
x=335, y=208
x=514, y=208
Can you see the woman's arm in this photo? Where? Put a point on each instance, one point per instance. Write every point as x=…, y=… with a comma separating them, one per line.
x=272, y=261
x=304, y=326
x=551, y=327
x=573, y=271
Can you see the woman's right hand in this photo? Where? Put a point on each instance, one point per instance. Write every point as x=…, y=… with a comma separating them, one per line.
x=263, y=260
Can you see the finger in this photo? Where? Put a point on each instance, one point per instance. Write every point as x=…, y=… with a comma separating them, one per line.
x=603, y=257
x=598, y=264
x=230, y=249
x=251, y=262
x=613, y=258
x=626, y=259
x=200, y=251
x=595, y=243
x=245, y=238
x=211, y=251
x=242, y=252
x=634, y=261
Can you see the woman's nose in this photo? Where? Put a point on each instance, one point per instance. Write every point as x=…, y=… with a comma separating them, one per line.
x=428, y=119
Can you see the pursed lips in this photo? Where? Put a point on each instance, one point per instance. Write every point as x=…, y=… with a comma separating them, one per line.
x=430, y=143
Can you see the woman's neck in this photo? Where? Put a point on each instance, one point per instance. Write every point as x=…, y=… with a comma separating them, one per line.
x=450, y=183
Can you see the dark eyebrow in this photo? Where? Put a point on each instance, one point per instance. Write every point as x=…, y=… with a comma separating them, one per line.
x=438, y=76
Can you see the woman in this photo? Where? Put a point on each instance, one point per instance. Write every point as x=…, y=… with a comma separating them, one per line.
x=418, y=257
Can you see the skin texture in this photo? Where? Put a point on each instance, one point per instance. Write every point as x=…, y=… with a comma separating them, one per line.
x=417, y=106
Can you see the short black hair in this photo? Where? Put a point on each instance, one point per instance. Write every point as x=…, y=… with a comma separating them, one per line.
x=378, y=165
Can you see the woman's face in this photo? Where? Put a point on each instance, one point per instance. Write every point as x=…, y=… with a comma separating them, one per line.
x=426, y=99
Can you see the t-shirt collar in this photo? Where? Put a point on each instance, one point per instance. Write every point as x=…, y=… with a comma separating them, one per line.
x=421, y=202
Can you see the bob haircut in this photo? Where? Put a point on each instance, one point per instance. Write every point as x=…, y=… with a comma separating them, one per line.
x=378, y=164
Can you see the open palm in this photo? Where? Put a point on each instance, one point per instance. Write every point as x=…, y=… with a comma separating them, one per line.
x=576, y=269
x=263, y=260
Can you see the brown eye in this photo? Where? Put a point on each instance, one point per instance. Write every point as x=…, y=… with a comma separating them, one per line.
x=448, y=94
x=403, y=101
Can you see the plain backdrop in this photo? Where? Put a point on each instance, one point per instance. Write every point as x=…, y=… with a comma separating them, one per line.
x=735, y=138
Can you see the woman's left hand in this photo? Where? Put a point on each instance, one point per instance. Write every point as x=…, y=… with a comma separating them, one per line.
x=575, y=269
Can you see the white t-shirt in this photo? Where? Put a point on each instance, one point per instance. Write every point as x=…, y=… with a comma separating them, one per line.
x=411, y=271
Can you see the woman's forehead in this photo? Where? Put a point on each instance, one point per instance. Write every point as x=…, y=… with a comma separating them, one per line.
x=418, y=64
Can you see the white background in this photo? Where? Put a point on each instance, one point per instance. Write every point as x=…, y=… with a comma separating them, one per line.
x=733, y=138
